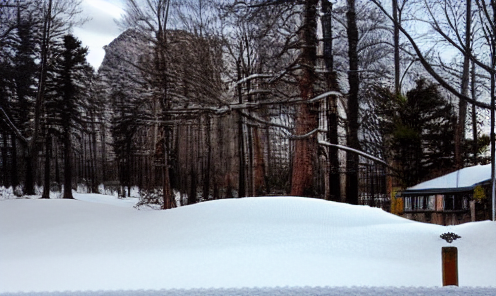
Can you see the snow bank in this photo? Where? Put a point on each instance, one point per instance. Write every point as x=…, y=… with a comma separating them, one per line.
x=91, y=244
x=287, y=291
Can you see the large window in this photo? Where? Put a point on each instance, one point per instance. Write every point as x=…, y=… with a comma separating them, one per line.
x=456, y=202
x=420, y=203
x=447, y=202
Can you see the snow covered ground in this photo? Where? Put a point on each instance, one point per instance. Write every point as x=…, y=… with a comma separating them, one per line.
x=102, y=243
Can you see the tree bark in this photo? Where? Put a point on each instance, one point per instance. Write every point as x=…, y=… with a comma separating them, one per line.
x=307, y=117
x=241, y=146
x=15, y=180
x=474, y=117
x=206, y=176
x=396, y=37
x=259, y=174
x=352, y=159
x=33, y=150
x=46, y=183
x=166, y=186
x=462, y=105
x=332, y=116
x=67, y=165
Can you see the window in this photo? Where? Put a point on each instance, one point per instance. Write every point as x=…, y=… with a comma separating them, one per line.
x=408, y=203
x=456, y=202
x=420, y=203
x=449, y=202
x=431, y=202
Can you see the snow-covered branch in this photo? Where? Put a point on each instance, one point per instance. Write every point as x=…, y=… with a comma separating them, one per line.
x=300, y=137
x=265, y=122
x=324, y=95
x=361, y=153
x=253, y=76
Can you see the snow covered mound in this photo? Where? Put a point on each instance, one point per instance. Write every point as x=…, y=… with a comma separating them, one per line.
x=91, y=244
x=286, y=291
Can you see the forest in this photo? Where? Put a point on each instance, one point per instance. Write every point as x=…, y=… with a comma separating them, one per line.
x=344, y=100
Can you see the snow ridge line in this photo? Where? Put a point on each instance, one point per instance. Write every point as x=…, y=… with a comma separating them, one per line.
x=289, y=291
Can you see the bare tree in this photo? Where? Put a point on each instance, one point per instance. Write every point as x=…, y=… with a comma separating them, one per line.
x=451, y=36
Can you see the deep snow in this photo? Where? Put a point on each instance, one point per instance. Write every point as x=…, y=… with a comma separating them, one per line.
x=100, y=242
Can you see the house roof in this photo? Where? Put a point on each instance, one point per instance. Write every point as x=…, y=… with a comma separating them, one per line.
x=458, y=181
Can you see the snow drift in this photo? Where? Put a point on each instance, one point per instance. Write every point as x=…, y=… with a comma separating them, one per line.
x=91, y=244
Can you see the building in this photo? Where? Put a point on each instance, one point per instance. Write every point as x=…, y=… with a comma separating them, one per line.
x=458, y=197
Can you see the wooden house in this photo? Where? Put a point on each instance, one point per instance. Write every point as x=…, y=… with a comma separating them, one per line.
x=450, y=199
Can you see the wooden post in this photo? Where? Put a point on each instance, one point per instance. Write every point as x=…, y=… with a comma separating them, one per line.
x=450, y=266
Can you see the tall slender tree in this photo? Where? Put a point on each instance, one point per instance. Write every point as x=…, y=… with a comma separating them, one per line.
x=307, y=120
x=68, y=100
x=352, y=141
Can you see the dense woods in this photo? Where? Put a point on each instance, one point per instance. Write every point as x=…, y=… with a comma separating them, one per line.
x=208, y=99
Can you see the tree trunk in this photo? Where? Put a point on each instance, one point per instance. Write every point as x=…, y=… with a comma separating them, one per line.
x=259, y=163
x=192, y=199
x=104, y=151
x=67, y=165
x=46, y=183
x=332, y=116
x=268, y=171
x=206, y=176
x=251, y=169
x=462, y=105
x=94, y=164
x=33, y=149
x=4, y=147
x=354, y=82
x=396, y=37
x=241, y=145
x=307, y=117
x=166, y=188
x=57, y=170
x=15, y=180
x=474, y=117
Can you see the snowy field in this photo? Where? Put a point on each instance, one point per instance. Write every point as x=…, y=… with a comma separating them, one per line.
x=247, y=246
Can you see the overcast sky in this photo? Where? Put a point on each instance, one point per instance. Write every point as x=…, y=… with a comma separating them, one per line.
x=101, y=29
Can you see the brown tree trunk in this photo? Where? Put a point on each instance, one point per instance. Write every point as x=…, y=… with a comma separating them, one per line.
x=307, y=117
x=259, y=163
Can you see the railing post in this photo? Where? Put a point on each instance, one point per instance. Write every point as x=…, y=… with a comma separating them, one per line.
x=450, y=266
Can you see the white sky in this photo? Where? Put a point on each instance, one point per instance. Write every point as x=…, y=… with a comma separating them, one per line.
x=101, y=29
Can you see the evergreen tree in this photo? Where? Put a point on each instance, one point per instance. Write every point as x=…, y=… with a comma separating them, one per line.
x=418, y=131
x=124, y=127
x=25, y=67
x=66, y=100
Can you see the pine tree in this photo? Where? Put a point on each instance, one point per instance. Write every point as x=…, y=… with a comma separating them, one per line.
x=67, y=100
x=418, y=131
